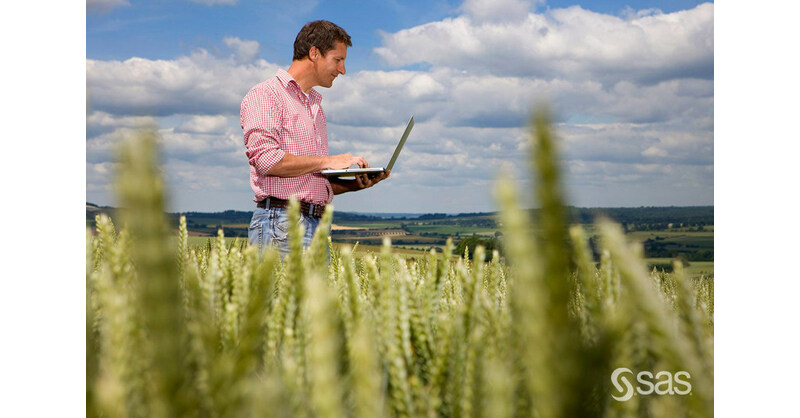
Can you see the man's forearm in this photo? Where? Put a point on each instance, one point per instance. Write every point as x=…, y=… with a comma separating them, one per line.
x=361, y=182
x=293, y=166
x=340, y=186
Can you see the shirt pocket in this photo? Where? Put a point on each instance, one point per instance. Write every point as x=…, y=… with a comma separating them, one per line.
x=298, y=137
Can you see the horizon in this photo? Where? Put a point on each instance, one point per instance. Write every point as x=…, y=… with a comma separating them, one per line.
x=630, y=84
x=429, y=213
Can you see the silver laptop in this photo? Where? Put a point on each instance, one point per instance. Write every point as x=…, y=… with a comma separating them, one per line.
x=374, y=170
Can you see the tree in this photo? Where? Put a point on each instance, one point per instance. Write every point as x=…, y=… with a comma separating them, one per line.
x=469, y=244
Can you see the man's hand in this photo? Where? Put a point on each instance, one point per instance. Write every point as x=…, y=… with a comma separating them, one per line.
x=293, y=165
x=342, y=161
x=368, y=180
x=361, y=182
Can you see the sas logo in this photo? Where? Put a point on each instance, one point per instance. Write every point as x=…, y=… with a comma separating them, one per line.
x=663, y=383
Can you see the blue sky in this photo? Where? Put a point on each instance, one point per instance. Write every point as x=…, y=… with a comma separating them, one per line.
x=177, y=27
x=631, y=85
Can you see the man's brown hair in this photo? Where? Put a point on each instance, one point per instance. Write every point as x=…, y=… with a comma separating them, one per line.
x=321, y=34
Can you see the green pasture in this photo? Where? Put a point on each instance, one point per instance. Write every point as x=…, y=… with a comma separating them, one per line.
x=373, y=245
x=450, y=230
x=694, y=269
x=370, y=224
x=673, y=235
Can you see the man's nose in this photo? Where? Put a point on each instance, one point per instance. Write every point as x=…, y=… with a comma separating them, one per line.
x=342, y=70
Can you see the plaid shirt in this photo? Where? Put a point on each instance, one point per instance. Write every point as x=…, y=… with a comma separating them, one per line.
x=277, y=118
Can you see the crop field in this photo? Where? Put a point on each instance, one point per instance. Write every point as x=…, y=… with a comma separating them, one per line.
x=202, y=243
x=367, y=249
x=452, y=229
x=388, y=224
x=666, y=234
x=177, y=327
x=694, y=269
x=199, y=242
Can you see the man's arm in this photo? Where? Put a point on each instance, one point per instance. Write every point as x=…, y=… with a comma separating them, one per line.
x=362, y=181
x=293, y=165
x=261, y=119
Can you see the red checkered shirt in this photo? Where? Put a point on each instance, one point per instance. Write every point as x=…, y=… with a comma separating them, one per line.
x=277, y=118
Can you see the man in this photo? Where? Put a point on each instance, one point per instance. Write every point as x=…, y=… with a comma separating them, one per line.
x=287, y=141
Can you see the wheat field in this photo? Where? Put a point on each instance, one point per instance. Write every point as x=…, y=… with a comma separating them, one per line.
x=223, y=331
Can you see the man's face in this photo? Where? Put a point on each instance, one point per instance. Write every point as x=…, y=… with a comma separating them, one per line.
x=331, y=65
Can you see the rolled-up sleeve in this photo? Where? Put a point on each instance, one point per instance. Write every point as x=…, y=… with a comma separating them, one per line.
x=261, y=119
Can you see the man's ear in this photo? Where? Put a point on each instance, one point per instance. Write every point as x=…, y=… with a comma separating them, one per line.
x=313, y=53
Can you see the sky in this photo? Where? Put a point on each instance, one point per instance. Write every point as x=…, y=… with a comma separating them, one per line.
x=45, y=165
x=630, y=85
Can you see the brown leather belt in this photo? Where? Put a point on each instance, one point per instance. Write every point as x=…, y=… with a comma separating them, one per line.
x=305, y=207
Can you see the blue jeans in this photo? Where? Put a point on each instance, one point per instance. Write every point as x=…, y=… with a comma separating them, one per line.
x=271, y=227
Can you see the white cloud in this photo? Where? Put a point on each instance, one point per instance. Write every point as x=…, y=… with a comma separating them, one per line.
x=196, y=138
x=98, y=122
x=455, y=98
x=216, y=124
x=423, y=86
x=244, y=51
x=199, y=83
x=629, y=143
x=571, y=43
x=104, y=6
x=630, y=13
x=655, y=151
x=633, y=98
x=599, y=183
x=105, y=146
x=99, y=181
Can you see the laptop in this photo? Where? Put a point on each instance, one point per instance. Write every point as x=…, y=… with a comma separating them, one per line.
x=373, y=170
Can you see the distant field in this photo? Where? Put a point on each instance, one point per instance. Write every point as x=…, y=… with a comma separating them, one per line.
x=400, y=240
x=360, y=249
x=665, y=233
x=370, y=224
x=417, y=245
x=247, y=225
x=694, y=269
x=451, y=229
x=690, y=235
x=376, y=249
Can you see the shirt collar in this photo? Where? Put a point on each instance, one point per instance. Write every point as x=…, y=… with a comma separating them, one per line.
x=286, y=79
